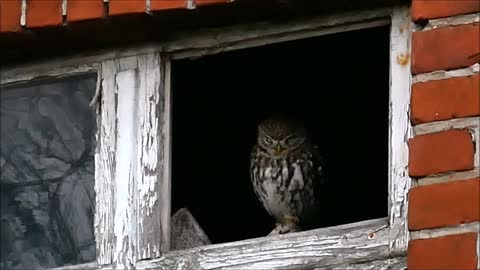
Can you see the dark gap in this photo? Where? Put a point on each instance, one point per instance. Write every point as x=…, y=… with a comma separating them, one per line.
x=338, y=84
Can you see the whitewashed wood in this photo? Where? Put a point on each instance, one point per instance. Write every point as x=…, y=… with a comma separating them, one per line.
x=452, y=21
x=448, y=177
x=98, y=89
x=345, y=244
x=129, y=210
x=400, y=128
x=125, y=215
x=105, y=164
x=462, y=228
x=152, y=238
x=442, y=74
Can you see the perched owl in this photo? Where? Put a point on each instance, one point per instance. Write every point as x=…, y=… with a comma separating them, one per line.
x=286, y=171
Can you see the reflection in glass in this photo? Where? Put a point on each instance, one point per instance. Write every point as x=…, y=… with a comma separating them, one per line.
x=47, y=173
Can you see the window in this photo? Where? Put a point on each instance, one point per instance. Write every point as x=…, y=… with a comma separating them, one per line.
x=218, y=101
x=47, y=173
x=134, y=157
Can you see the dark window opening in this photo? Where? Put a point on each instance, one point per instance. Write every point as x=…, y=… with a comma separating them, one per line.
x=337, y=84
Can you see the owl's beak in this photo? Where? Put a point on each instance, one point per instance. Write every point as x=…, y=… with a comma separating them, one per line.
x=278, y=149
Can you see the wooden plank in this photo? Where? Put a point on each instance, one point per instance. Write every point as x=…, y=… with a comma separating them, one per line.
x=165, y=182
x=150, y=151
x=105, y=164
x=340, y=245
x=400, y=128
x=130, y=212
x=397, y=263
x=125, y=216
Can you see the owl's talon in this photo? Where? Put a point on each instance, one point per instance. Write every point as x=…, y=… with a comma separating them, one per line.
x=291, y=219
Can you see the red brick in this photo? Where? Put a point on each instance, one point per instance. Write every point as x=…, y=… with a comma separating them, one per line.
x=210, y=2
x=454, y=252
x=428, y=9
x=10, y=13
x=440, y=152
x=445, y=99
x=79, y=10
x=167, y=4
x=42, y=13
x=120, y=7
x=445, y=204
x=445, y=48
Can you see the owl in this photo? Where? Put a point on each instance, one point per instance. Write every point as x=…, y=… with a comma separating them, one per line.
x=286, y=173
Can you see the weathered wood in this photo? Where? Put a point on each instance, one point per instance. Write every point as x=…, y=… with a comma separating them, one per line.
x=397, y=263
x=346, y=244
x=129, y=211
x=165, y=182
x=186, y=232
x=105, y=164
x=125, y=216
x=150, y=156
x=212, y=41
x=400, y=128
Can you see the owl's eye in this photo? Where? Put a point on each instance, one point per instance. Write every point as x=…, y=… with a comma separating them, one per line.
x=293, y=140
x=268, y=140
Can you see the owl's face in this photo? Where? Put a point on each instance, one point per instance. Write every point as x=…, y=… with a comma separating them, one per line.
x=279, y=136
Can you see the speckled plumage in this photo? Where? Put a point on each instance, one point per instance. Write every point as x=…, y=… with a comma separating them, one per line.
x=286, y=170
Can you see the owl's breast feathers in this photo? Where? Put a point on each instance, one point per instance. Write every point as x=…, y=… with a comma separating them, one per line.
x=288, y=185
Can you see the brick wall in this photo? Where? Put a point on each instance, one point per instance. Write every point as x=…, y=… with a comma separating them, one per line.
x=444, y=204
x=60, y=13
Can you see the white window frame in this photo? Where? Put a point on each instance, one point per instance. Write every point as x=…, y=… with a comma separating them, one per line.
x=132, y=160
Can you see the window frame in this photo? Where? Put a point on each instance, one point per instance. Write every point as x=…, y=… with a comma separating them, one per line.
x=372, y=244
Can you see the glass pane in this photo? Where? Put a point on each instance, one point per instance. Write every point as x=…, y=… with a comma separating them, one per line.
x=47, y=173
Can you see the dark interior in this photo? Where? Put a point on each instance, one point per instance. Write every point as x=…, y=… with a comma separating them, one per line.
x=337, y=84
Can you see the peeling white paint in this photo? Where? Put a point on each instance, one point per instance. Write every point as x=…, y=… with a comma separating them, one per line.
x=125, y=216
x=131, y=91
x=400, y=129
